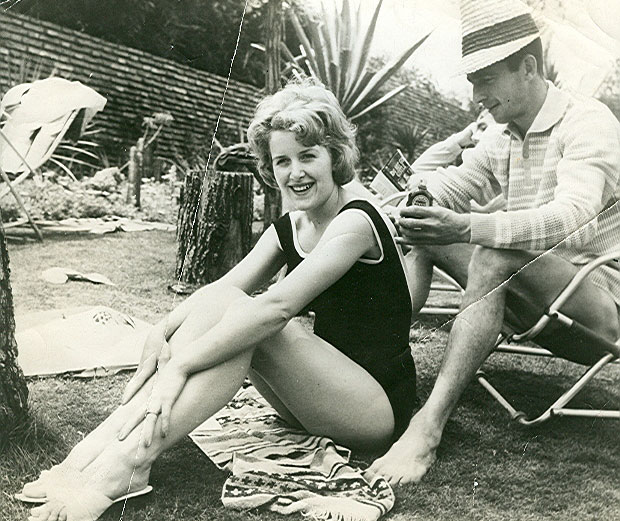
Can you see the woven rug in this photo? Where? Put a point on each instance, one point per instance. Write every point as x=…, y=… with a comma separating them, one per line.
x=286, y=470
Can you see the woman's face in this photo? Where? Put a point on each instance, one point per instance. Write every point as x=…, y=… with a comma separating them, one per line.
x=303, y=173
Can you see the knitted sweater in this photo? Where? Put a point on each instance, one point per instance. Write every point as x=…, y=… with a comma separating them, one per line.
x=561, y=182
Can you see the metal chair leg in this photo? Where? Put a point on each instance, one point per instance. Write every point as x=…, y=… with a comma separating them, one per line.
x=558, y=407
x=20, y=202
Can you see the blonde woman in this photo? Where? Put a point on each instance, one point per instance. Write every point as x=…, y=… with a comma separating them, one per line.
x=352, y=379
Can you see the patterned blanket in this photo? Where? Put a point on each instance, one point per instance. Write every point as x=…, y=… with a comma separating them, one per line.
x=284, y=469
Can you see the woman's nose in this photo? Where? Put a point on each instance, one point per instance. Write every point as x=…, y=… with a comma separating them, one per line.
x=296, y=169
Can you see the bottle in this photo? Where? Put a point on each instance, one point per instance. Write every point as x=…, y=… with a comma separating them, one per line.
x=421, y=197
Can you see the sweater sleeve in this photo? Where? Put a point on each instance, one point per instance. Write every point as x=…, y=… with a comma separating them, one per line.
x=587, y=174
x=454, y=187
x=438, y=155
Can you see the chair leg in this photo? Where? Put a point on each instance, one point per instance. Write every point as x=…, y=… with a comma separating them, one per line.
x=20, y=202
x=558, y=407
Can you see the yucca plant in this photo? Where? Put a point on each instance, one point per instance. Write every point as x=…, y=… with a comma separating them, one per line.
x=335, y=50
x=85, y=153
x=408, y=137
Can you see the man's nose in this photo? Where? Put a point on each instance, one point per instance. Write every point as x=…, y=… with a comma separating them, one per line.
x=478, y=94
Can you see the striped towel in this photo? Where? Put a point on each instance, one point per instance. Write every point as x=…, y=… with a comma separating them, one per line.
x=284, y=469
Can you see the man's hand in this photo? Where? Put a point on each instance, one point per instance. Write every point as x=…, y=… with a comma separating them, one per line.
x=432, y=225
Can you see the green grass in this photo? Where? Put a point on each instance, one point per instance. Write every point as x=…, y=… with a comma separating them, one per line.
x=565, y=469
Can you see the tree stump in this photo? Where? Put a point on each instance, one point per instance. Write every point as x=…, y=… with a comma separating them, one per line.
x=13, y=389
x=214, y=228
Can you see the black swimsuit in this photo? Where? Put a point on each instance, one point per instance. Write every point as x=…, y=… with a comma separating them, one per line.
x=366, y=314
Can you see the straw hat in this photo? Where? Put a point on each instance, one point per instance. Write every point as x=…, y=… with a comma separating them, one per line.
x=493, y=30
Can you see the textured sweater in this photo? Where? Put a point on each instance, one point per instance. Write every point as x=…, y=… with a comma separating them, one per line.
x=561, y=182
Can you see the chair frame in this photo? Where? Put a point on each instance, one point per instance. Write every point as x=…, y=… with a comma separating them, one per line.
x=553, y=314
x=29, y=170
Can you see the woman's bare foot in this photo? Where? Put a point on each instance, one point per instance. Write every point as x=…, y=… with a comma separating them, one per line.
x=82, y=455
x=86, y=494
x=410, y=458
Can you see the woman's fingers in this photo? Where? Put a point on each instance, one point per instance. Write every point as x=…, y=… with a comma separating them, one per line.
x=131, y=424
x=166, y=409
x=164, y=355
x=144, y=372
x=148, y=429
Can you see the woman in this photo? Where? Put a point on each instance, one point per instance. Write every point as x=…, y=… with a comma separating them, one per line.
x=353, y=379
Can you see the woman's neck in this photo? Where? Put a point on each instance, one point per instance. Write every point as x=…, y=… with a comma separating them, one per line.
x=323, y=215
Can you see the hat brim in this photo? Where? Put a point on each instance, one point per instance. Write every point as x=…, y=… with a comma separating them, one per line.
x=486, y=57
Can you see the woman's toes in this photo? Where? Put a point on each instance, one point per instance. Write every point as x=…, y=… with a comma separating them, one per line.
x=34, y=490
x=51, y=511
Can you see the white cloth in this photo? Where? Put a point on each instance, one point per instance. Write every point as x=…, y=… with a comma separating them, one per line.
x=38, y=114
x=96, y=340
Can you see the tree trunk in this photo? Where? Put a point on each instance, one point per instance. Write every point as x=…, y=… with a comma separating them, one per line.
x=273, y=200
x=214, y=229
x=13, y=390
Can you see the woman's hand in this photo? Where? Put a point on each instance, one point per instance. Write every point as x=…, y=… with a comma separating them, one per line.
x=168, y=386
x=155, y=355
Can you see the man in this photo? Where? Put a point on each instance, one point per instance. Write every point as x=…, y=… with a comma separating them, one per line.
x=555, y=159
x=449, y=151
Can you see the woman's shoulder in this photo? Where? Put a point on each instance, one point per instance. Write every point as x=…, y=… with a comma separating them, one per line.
x=370, y=211
x=360, y=217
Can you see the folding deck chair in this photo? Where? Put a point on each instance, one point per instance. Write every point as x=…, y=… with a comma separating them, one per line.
x=35, y=118
x=603, y=352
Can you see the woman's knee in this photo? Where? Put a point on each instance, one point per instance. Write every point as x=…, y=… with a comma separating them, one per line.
x=207, y=310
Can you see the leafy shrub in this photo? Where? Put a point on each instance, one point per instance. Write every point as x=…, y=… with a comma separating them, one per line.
x=53, y=200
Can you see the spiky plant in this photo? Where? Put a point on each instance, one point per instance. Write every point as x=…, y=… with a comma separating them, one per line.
x=408, y=137
x=335, y=50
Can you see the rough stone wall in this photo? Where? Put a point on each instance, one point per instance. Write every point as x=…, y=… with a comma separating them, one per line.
x=137, y=84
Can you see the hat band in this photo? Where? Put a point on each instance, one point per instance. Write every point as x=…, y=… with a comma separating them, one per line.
x=499, y=34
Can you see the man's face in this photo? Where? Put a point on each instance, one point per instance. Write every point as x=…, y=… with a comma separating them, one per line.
x=501, y=91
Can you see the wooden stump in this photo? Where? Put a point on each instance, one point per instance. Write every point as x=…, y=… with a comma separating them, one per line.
x=214, y=228
x=13, y=390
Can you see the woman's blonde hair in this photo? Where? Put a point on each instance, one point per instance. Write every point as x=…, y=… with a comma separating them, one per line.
x=313, y=114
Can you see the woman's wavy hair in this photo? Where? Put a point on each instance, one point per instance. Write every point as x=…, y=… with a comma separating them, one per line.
x=313, y=114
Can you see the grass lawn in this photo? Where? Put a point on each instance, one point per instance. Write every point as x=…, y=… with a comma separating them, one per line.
x=487, y=469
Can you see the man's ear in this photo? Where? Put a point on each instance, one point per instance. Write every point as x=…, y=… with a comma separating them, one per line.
x=530, y=66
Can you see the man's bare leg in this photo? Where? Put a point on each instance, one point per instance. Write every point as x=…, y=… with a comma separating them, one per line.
x=472, y=339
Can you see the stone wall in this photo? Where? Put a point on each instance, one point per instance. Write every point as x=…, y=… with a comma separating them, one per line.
x=137, y=84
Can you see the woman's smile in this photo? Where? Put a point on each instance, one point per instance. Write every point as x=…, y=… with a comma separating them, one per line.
x=301, y=189
x=303, y=172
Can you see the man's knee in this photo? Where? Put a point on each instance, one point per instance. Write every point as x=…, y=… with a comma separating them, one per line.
x=492, y=262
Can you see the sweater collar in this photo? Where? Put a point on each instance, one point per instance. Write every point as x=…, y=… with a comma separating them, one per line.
x=552, y=111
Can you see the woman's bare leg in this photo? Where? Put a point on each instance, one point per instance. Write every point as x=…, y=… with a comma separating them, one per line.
x=88, y=449
x=323, y=389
